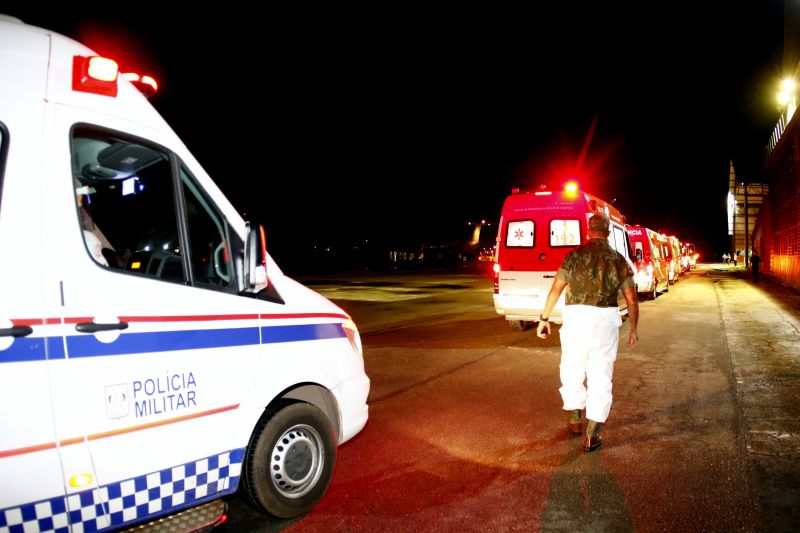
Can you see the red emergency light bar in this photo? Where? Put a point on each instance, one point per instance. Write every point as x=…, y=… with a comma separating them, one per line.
x=95, y=74
x=147, y=85
x=99, y=75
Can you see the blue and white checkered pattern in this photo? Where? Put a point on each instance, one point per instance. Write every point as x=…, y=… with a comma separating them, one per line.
x=130, y=501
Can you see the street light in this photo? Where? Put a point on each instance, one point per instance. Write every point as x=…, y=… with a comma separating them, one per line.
x=787, y=97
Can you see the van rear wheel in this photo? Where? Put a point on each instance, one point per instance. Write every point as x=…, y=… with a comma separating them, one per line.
x=290, y=460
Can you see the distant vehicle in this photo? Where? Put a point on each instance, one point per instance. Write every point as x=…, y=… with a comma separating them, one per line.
x=691, y=254
x=652, y=265
x=537, y=230
x=164, y=361
x=675, y=258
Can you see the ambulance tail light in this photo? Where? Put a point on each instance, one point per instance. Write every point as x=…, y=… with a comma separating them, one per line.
x=94, y=74
x=496, y=269
x=351, y=332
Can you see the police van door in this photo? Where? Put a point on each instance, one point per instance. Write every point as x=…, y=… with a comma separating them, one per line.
x=31, y=482
x=158, y=340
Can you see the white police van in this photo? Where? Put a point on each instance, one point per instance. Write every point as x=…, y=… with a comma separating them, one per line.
x=153, y=357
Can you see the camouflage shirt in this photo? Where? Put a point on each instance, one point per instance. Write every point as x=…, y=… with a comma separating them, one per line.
x=594, y=274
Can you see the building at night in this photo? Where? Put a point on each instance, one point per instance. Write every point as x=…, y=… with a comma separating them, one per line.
x=744, y=203
x=776, y=234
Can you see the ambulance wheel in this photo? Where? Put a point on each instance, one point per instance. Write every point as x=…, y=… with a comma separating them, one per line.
x=654, y=293
x=290, y=460
x=518, y=325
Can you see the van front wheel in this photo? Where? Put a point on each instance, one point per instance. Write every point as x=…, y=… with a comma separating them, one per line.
x=290, y=460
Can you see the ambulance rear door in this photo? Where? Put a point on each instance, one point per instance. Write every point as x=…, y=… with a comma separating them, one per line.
x=618, y=239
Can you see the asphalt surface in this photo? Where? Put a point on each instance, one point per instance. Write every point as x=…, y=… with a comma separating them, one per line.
x=466, y=434
x=762, y=328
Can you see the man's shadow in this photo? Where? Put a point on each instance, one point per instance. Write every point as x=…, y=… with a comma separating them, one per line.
x=584, y=496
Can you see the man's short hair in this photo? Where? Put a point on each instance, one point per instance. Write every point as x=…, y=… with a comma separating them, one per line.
x=599, y=224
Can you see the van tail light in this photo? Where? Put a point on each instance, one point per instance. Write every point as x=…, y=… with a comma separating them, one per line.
x=496, y=269
x=94, y=74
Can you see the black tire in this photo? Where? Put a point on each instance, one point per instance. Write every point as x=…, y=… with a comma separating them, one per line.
x=290, y=460
x=654, y=293
x=517, y=325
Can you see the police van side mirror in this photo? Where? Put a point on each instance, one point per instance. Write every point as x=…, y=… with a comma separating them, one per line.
x=255, y=259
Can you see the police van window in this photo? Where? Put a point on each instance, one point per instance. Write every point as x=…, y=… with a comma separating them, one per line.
x=209, y=251
x=126, y=204
x=520, y=234
x=565, y=233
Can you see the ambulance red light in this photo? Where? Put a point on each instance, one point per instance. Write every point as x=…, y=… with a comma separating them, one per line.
x=543, y=193
x=95, y=74
x=147, y=85
x=571, y=187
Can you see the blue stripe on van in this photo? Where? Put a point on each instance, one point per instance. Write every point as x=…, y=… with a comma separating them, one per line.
x=33, y=349
x=301, y=332
x=27, y=349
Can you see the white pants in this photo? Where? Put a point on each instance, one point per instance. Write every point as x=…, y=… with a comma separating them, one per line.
x=589, y=339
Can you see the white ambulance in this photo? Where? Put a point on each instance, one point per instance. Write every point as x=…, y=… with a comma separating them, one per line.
x=537, y=230
x=153, y=357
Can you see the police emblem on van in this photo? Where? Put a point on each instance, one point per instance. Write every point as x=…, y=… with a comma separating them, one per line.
x=117, y=405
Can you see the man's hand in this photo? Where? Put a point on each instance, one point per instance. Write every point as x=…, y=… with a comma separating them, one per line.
x=543, y=329
x=633, y=339
x=633, y=314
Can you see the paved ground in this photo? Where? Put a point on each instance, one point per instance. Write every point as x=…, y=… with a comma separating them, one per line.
x=763, y=329
x=705, y=434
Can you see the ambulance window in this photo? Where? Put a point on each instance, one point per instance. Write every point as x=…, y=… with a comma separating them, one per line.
x=619, y=241
x=126, y=204
x=520, y=234
x=565, y=233
x=209, y=253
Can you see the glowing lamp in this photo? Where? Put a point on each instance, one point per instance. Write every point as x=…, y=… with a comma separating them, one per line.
x=147, y=85
x=95, y=74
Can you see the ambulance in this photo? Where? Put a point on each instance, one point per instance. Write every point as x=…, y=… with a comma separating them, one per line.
x=537, y=230
x=676, y=256
x=153, y=356
x=691, y=254
x=652, y=263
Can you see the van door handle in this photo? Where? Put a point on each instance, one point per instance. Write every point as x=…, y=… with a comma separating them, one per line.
x=91, y=327
x=548, y=276
x=16, y=331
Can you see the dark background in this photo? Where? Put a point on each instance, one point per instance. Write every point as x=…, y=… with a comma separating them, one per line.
x=353, y=130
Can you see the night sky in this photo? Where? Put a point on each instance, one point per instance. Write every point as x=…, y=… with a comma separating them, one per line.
x=385, y=122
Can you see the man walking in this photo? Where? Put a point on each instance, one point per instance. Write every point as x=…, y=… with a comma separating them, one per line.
x=755, y=261
x=594, y=274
